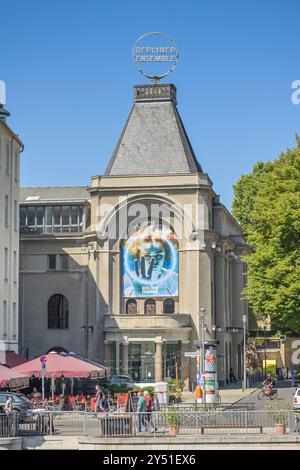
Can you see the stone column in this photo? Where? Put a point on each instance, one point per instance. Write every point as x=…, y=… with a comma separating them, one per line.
x=185, y=366
x=124, y=357
x=108, y=354
x=158, y=359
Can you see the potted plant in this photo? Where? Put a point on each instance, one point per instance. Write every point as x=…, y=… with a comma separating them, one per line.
x=173, y=420
x=280, y=417
x=175, y=390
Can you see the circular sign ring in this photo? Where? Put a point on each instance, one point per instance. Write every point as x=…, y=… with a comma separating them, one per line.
x=138, y=64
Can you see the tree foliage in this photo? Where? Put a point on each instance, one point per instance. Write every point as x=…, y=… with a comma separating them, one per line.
x=267, y=204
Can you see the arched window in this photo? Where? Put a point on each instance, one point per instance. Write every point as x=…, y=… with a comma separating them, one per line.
x=58, y=312
x=131, y=307
x=58, y=350
x=150, y=307
x=169, y=306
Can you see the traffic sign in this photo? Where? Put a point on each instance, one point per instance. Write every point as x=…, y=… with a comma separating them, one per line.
x=193, y=354
x=43, y=359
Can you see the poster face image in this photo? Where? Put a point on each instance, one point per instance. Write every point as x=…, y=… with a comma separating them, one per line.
x=150, y=263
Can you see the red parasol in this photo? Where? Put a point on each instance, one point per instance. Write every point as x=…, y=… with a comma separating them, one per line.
x=12, y=378
x=58, y=365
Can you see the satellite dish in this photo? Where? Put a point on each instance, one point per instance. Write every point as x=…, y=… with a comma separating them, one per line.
x=2, y=92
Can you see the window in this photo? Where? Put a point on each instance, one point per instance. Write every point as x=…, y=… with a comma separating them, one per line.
x=65, y=213
x=51, y=219
x=172, y=359
x=15, y=266
x=16, y=166
x=150, y=307
x=7, y=159
x=6, y=264
x=169, y=306
x=22, y=216
x=39, y=216
x=131, y=307
x=48, y=219
x=15, y=215
x=4, y=318
x=6, y=220
x=14, y=325
x=63, y=262
x=58, y=312
x=31, y=216
x=51, y=262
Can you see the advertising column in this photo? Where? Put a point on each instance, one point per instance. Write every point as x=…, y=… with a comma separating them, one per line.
x=210, y=365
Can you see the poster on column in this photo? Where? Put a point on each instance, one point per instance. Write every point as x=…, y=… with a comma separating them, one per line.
x=210, y=369
x=150, y=263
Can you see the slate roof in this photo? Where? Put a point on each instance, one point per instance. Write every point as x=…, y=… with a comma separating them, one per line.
x=54, y=193
x=153, y=142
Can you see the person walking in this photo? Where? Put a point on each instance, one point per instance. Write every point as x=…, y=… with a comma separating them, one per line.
x=11, y=417
x=8, y=408
x=149, y=409
x=141, y=410
x=99, y=399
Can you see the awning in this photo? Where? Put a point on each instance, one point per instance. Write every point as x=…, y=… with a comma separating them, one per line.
x=11, y=359
x=12, y=378
x=61, y=365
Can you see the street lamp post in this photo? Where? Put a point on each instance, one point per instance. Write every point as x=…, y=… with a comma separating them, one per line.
x=265, y=348
x=244, y=361
x=202, y=362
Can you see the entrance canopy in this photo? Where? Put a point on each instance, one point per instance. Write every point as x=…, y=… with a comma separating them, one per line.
x=58, y=365
x=12, y=378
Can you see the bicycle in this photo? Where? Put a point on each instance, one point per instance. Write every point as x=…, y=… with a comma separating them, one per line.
x=271, y=393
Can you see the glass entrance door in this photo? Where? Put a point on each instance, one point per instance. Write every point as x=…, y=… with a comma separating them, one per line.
x=142, y=361
x=134, y=360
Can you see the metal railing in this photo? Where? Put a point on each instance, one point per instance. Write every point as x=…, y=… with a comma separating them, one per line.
x=188, y=422
x=8, y=425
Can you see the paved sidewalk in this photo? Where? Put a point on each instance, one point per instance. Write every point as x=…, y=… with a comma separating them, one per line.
x=230, y=394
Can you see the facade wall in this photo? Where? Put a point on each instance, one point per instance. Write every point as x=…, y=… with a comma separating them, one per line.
x=9, y=238
x=38, y=284
x=208, y=277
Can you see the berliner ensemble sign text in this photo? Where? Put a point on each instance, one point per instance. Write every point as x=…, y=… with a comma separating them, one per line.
x=155, y=55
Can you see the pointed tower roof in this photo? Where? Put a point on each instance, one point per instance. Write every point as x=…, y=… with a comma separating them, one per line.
x=154, y=140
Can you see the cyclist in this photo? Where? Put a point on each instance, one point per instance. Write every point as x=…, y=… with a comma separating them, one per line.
x=268, y=384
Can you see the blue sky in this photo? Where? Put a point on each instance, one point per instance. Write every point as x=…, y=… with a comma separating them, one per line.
x=69, y=75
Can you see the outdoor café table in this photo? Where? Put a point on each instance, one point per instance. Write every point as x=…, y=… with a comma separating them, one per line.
x=119, y=424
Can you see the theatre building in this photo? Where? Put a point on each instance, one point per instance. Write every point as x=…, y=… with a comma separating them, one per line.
x=119, y=270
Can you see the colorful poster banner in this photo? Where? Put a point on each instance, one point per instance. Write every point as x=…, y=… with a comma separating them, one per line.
x=150, y=263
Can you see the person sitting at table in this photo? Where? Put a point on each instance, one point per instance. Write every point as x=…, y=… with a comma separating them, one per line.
x=36, y=397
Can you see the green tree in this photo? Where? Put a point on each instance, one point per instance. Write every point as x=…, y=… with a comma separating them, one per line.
x=245, y=191
x=267, y=203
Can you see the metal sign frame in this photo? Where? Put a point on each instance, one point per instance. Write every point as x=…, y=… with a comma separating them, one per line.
x=155, y=78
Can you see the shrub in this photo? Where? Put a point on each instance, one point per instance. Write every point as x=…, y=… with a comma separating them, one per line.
x=173, y=417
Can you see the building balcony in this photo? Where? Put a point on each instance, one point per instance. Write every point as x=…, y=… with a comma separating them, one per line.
x=147, y=322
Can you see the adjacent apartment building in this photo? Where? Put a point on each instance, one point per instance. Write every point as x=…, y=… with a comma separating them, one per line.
x=10, y=149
